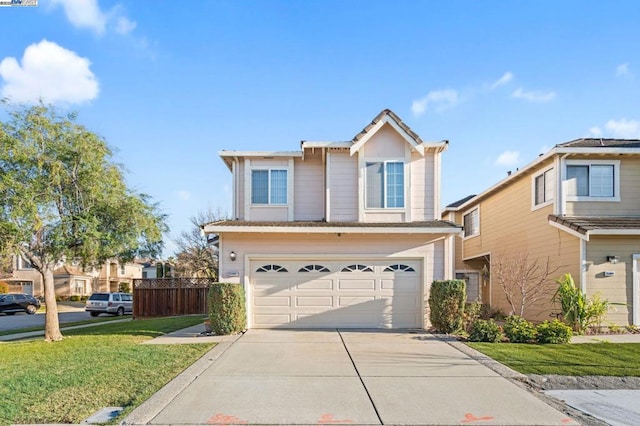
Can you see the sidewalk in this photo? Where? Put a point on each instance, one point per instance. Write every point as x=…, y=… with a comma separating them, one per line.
x=607, y=338
x=39, y=333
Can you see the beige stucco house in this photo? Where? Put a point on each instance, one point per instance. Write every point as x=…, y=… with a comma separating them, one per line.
x=577, y=206
x=338, y=234
x=70, y=279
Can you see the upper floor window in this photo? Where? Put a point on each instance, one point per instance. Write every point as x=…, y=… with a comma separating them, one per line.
x=385, y=184
x=593, y=180
x=472, y=223
x=123, y=269
x=543, y=187
x=23, y=263
x=269, y=186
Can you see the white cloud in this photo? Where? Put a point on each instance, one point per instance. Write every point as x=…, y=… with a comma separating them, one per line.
x=506, y=78
x=440, y=99
x=623, y=128
x=48, y=72
x=507, y=158
x=595, y=131
x=623, y=70
x=84, y=14
x=124, y=25
x=533, y=96
x=87, y=14
x=184, y=195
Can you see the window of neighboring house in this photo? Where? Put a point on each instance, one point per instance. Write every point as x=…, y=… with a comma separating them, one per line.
x=385, y=184
x=269, y=187
x=144, y=275
x=24, y=263
x=123, y=269
x=543, y=187
x=594, y=180
x=472, y=223
x=78, y=287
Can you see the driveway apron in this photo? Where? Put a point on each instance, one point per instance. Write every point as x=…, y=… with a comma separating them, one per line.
x=351, y=377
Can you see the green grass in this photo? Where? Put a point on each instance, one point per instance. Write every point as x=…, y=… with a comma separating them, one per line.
x=601, y=359
x=62, y=325
x=92, y=368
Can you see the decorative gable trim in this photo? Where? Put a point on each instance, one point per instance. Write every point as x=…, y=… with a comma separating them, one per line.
x=364, y=136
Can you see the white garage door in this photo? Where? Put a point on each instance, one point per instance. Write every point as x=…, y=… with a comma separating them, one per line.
x=346, y=293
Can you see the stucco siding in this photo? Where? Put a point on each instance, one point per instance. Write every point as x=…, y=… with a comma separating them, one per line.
x=309, y=187
x=629, y=204
x=618, y=289
x=428, y=249
x=343, y=170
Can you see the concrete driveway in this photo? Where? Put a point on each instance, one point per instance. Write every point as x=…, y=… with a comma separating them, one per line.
x=343, y=377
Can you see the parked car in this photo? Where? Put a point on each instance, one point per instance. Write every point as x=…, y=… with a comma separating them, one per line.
x=12, y=303
x=109, y=303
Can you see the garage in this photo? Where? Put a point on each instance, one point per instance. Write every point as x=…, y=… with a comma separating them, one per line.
x=352, y=293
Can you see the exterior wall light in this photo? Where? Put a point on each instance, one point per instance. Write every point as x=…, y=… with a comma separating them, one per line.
x=232, y=256
x=613, y=259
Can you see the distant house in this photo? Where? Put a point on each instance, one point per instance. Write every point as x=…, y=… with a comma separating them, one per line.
x=578, y=206
x=70, y=279
x=338, y=234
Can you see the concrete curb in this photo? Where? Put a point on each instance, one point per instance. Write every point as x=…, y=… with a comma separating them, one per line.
x=149, y=409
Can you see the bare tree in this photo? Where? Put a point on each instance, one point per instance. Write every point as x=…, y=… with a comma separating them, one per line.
x=522, y=279
x=196, y=256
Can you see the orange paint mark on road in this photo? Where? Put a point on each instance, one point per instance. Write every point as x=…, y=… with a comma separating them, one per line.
x=567, y=420
x=470, y=418
x=225, y=420
x=327, y=419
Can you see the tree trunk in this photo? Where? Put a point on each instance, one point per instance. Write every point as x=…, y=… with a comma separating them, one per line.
x=51, y=324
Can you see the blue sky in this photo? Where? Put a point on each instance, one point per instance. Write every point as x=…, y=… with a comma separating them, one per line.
x=170, y=83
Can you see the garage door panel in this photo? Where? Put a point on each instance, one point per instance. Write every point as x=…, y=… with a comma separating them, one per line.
x=272, y=301
x=405, y=284
x=323, y=301
x=354, y=300
x=343, y=298
x=272, y=320
x=316, y=285
x=355, y=284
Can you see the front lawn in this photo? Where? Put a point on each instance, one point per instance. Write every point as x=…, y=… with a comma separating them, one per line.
x=92, y=368
x=598, y=359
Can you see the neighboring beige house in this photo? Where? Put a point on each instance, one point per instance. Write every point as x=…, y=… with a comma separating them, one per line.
x=338, y=234
x=70, y=279
x=578, y=206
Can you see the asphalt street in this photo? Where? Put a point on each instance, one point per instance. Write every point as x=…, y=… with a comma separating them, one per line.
x=20, y=320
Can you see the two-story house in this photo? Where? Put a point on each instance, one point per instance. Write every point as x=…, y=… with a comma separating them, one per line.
x=577, y=207
x=338, y=234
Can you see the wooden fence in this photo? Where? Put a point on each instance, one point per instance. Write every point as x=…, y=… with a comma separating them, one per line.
x=165, y=297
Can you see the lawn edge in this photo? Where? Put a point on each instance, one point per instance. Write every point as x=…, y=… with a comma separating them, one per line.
x=149, y=409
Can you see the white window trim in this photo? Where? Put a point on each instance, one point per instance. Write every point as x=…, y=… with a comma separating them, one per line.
x=616, y=180
x=466, y=237
x=384, y=161
x=269, y=170
x=548, y=202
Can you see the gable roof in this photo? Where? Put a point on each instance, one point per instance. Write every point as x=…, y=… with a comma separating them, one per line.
x=584, y=227
x=68, y=270
x=456, y=204
x=600, y=143
x=387, y=116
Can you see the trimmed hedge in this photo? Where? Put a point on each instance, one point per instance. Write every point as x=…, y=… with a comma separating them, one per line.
x=227, y=309
x=519, y=330
x=446, y=305
x=485, y=331
x=554, y=332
